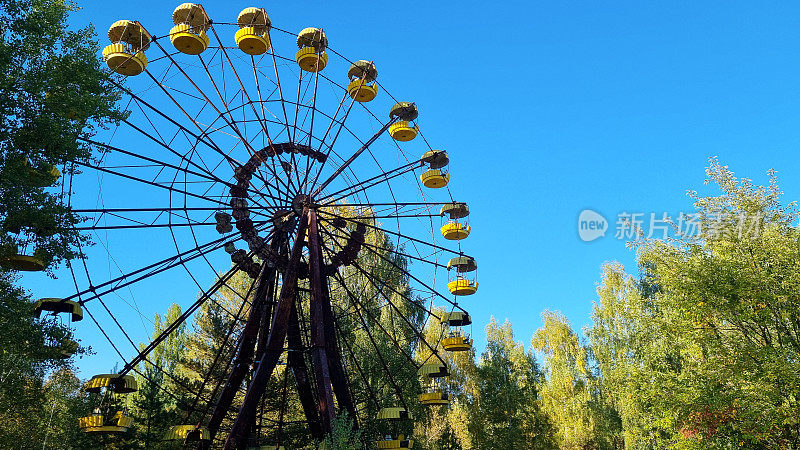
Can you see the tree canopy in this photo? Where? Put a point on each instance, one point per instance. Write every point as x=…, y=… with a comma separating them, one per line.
x=54, y=95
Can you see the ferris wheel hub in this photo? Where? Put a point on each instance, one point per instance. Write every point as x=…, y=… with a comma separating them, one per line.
x=281, y=216
x=302, y=201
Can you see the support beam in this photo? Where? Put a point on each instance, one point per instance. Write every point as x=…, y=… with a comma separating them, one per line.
x=297, y=363
x=319, y=356
x=283, y=250
x=244, y=352
x=245, y=349
x=275, y=341
x=246, y=346
x=337, y=372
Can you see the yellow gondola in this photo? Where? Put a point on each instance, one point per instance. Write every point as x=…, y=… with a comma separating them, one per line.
x=22, y=263
x=436, y=177
x=394, y=414
x=400, y=442
x=12, y=259
x=462, y=286
x=361, y=74
x=433, y=370
x=189, y=33
x=125, y=55
x=312, y=43
x=54, y=306
x=108, y=387
x=96, y=423
x=120, y=384
x=461, y=283
x=405, y=129
x=58, y=305
x=434, y=397
x=456, y=319
x=457, y=227
x=457, y=342
x=455, y=231
x=253, y=35
x=187, y=433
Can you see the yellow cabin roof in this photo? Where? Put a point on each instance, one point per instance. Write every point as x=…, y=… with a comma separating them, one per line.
x=312, y=37
x=130, y=32
x=58, y=305
x=121, y=384
x=433, y=370
x=192, y=14
x=183, y=432
x=395, y=413
x=456, y=318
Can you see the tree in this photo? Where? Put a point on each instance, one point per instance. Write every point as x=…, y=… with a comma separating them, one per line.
x=343, y=436
x=64, y=402
x=570, y=391
x=31, y=351
x=702, y=351
x=54, y=95
x=631, y=353
x=507, y=410
x=213, y=331
x=155, y=404
x=728, y=302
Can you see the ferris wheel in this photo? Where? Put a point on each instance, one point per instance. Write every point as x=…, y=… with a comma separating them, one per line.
x=265, y=150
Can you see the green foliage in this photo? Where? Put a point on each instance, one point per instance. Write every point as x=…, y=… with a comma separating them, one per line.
x=31, y=351
x=155, y=404
x=343, y=436
x=207, y=337
x=507, y=410
x=727, y=300
x=629, y=350
x=569, y=391
x=495, y=401
x=64, y=401
x=702, y=351
x=54, y=94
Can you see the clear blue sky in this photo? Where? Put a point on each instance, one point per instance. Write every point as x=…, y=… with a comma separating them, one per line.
x=547, y=108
